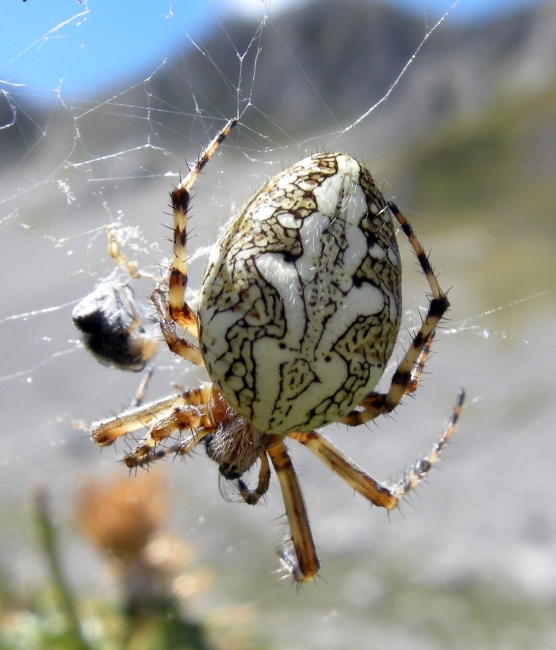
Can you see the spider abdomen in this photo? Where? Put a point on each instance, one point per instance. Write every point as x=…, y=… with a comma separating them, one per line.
x=301, y=300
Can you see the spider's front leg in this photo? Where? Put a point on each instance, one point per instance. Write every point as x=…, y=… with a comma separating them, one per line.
x=173, y=309
x=182, y=412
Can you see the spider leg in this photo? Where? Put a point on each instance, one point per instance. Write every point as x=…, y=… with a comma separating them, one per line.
x=406, y=377
x=369, y=401
x=177, y=344
x=251, y=497
x=305, y=564
x=146, y=454
x=354, y=476
x=106, y=432
x=174, y=309
x=417, y=472
x=379, y=494
x=419, y=366
x=142, y=389
x=180, y=419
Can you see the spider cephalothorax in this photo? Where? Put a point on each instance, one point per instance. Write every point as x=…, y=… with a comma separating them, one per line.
x=299, y=313
x=235, y=445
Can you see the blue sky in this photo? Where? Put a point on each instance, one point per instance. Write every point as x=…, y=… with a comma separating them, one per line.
x=467, y=10
x=76, y=47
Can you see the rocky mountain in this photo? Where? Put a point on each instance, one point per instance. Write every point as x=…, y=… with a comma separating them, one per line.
x=325, y=63
x=342, y=57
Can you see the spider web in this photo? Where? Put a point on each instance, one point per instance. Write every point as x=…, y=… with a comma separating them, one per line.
x=74, y=165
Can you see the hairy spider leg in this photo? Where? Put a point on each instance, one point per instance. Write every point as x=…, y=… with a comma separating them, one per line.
x=173, y=309
x=419, y=366
x=158, y=417
x=379, y=494
x=306, y=564
x=403, y=381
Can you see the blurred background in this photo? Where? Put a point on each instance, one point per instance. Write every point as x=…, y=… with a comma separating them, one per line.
x=101, y=105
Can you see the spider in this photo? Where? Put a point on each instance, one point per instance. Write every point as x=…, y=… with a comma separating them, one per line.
x=299, y=313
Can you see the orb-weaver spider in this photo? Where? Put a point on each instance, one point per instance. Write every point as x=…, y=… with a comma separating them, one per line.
x=299, y=313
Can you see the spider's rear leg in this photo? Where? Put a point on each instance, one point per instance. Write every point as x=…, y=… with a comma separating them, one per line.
x=379, y=494
x=417, y=472
x=303, y=563
x=419, y=366
x=406, y=377
x=251, y=497
x=174, y=309
x=373, y=404
x=354, y=476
